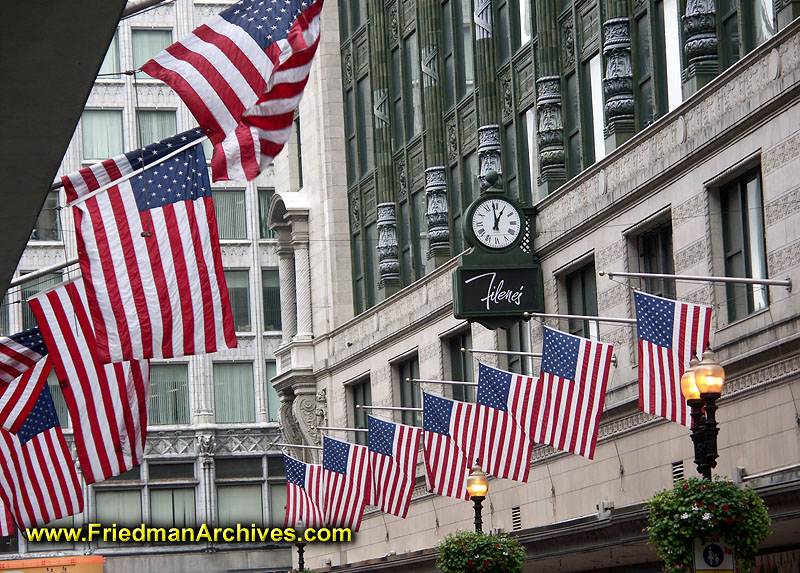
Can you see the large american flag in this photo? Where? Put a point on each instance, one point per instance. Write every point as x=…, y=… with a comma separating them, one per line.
x=37, y=475
x=6, y=519
x=18, y=397
x=305, y=500
x=149, y=254
x=504, y=399
x=19, y=352
x=571, y=391
x=450, y=441
x=393, y=450
x=347, y=481
x=669, y=333
x=107, y=403
x=242, y=75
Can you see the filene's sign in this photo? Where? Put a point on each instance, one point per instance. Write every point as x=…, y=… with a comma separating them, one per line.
x=496, y=292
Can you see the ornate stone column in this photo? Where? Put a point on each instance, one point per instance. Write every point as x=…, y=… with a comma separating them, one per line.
x=618, y=82
x=286, y=276
x=700, y=33
x=310, y=410
x=486, y=86
x=206, y=448
x=302, y=273
x=550, y=126
x=388, y=262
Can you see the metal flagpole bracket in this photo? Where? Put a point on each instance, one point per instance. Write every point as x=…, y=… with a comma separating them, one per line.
x=338, y=429
x=449, y=382
x=504, y=352
x=612, y=319
x=299, y=446
x=787, y=282
x=401, y=408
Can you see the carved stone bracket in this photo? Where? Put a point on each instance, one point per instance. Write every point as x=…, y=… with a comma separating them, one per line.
x=430, y=66
x=304, y=409
x=550, y=130
x=489, y=154
x=388, y=262
x=437, y=217
x=206, y=448
x=700, y=27
x=618, y=81
x=381, y=108
x=483, y=19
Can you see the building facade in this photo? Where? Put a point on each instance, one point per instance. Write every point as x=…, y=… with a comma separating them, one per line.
x=213, y=419
x=654, y=136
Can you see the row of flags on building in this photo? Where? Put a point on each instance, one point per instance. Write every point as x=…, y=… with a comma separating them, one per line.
x=152, y=283
x=561, y=408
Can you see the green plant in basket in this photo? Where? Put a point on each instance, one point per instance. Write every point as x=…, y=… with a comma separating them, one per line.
x=476, y=551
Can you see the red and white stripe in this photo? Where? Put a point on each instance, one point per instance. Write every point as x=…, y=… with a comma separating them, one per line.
x=38, y=478
x=567, y=412
x=18, y=398
x=393, y=477
x=6, y=520
x=505, y=447
x=305, y=506
x=345, y=494
x=660, y=369
x=449, y=459
x=15, y=359
x=242, y=96
x=107, y=403
x=162, y=296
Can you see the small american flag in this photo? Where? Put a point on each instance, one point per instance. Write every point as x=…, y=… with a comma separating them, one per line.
x=160, y=295
x=18, y=398
x=304, y=494
x=37, y=474
x=506, y=416
x=19, y=352
x=393, y=450
x=571, y=391
x=242, y=75
x=107, y=403
x=669, y=333
x=450, y=440
x=347, y=481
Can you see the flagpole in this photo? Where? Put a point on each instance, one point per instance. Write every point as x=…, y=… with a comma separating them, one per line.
x=401, y=408
x=787, y=282
x=298, y=446
x=41, y=272
x=504, y=352
x=580, y=317
x=450, y=382
x=116, y=182
x=339, y=429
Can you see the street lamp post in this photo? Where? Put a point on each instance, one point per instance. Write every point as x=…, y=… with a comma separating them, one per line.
x=301, y=545
x=701, y=385
x=477, y=486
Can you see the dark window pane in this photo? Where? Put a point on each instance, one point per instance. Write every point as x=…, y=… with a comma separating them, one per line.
x=461, y=366
x=361, y=394
x=47, y=227
x=364, y=128
x=264, y=197
x=410, y=392
x=169, y=394
x=171, y=471
x=238, y=468
x=271, y=294
x=32, y=288
x=239, y=295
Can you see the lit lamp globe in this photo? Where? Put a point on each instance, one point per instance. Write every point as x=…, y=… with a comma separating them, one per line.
x=477, y=482
x=689, y=387
x=709, y=375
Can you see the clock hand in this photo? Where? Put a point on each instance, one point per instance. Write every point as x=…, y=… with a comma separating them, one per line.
x=496, y=226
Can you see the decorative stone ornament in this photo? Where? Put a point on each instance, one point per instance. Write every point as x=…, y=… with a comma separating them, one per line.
x=700, y=27
x=436, y=215
x=550, y=131
x=388, y=262
x=489, y=154
x=618, y=81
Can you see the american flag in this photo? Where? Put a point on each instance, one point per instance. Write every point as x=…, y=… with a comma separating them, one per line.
x=18, y=397
x=107, y=403
x=149, y=254
x=504, y=399
x=669, y=333
x=304, y=494
x=347, y=481
x=6, y=520
x=450, y=441
x=242, y=75
x=571, y=391
x=19, y=352
x=37, y=475
x=393, y=450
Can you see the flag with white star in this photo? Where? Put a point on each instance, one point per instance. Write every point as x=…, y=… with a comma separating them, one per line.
x=393, y=451
x=242, y=75
x=304, y=494
x=669, y=332
x=19, y=352
x=347, y=481
x=569, y=397
x=149, y=253
x=38, y=481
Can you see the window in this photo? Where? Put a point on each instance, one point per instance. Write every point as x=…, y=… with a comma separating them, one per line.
x=655, y=256
x=229, y=207
x=67, y=522
x=234, y=397
x=148, y=43
x=276, y=476
x=366, y=159
x=592, y=110
x=410, y=393
x=419, y=205
x=461, y=366
x=518, y=339
x=4, y=326
x=465, y=80
x=572, y=132
x=239, y=293
x=102, y=134
x=109, y=69
x=350, y=136
x=173, y=507
x=448, y=56
x=728, y=18
x=123, y=507
x=582, y=299
x=154, y=125
x=743, y=243
x=273, y=401
x=169, y=394
x=32, y=288
x=413, y=96
x=264, y=198
x=239, y=491
x=47, y=226
x=271, y=294
x=58, y=399
x=643, y=72
x=299, y=154
x=397, y=102
x=361, y=395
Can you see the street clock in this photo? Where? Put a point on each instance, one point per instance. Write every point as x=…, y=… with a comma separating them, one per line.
x=496, y=223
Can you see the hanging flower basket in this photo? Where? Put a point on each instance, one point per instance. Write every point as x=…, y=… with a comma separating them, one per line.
x=476, y=551
x=709, y=510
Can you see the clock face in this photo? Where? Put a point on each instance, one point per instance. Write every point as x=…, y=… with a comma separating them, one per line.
x=496, y=223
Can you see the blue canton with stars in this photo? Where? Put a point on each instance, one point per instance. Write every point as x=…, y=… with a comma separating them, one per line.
x=295, y=471
x=42, y=417
x=183, y=177
x=381, y=436
x=31, y=338
x=560, y=353
x=266, y=21
x=655, y=319
x=436, y=414
x=493, y=387
x=335, y=454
